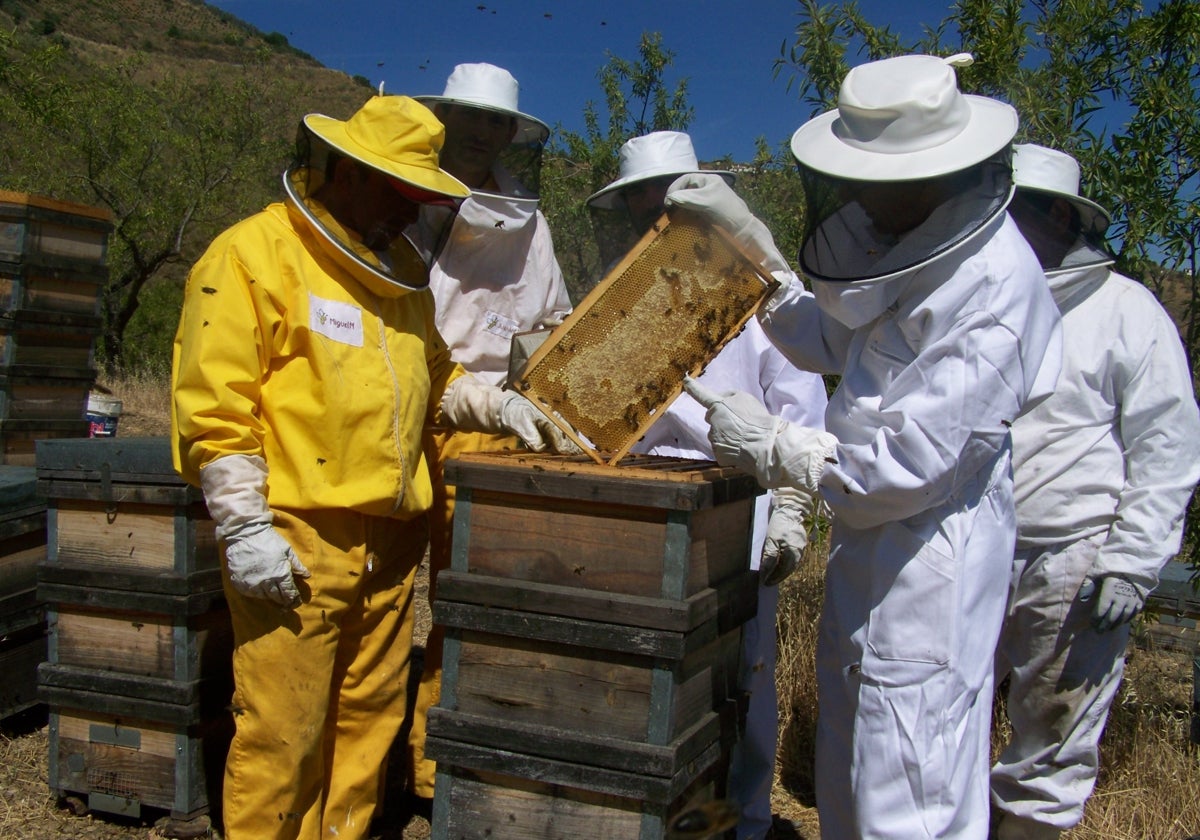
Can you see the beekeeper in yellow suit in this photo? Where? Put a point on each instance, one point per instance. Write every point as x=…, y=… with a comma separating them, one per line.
x=306, y=366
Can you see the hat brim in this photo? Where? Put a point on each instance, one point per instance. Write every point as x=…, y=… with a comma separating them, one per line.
x=1089, y=211
x=607, y=198
x=529, y=129
x=818, y=146
x=333, y=132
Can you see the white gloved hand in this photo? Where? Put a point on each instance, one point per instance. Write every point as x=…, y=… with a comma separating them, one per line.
x=475, y=406
x=1117, y=602
x=745, y=435
x=710, y=196
x=787, y=534
x=260, y=562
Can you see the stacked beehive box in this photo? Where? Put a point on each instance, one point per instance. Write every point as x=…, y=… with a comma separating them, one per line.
x=1176, y=604
x=593, y=621
x=52, y=269
x=138, y=675
x=22, y=618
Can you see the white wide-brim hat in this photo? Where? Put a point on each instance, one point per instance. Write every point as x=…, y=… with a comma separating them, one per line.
x=491, y=88
x=653, y=155
x=1054, y=173
x=904, y=119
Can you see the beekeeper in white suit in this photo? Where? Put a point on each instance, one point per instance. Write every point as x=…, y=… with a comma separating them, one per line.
x=493, y=273
x=934, y=311
x=648, y=166
x=1103, y=471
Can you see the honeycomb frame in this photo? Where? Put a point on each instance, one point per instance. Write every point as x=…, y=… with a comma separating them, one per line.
x=664, y=311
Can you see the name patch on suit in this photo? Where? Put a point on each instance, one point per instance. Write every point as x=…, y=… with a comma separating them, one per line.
x=338, y=321
x=500, y=325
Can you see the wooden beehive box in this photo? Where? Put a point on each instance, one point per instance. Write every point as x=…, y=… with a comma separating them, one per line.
x=60, y=343
x=503, y=795
x=19, y=438
x=138, y=670
x=118, y=512
x=48, y=231
x=593, y=621
x=22, y=617
x=52, y=272
x=121, y=761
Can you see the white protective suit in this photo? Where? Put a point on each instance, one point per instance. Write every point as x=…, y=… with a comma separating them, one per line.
x=496, y=275
x=921, y=495
x=752, y=364
x=1103, y=471
x=493, y=274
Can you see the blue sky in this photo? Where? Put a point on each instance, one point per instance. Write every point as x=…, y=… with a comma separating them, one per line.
x=555, y=48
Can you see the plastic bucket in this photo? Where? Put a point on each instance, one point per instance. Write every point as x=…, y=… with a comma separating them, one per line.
x=103, y=412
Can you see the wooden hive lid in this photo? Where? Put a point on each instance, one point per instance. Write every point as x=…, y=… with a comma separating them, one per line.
x=55, y=205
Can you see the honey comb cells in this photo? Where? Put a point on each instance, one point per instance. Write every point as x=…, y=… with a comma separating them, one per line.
x=664, y=311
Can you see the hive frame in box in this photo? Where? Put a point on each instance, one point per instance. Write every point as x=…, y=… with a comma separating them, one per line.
x=664, y=311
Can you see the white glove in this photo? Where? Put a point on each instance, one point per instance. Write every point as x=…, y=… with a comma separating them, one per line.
x=260, y=562
x=787, y=534
x=745, y=435
x=476, y=406
x=710, y=196
x=1118, y=602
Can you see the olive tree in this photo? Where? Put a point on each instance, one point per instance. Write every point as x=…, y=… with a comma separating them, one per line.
x=173, y=159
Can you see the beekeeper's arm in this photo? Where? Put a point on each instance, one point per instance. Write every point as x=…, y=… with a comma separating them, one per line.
x=798, y=398
x=217, y=429
x=785, y=457
x=744, y=434
x=475, y=406
x=1160, y=434
x=711, y=197
x=260, y=561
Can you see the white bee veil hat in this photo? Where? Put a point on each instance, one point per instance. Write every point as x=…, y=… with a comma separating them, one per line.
x=653, y=155
x=904, y=119
x=494, y=89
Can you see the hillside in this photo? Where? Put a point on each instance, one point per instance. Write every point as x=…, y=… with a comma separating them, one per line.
x=183, y=37
x=173, y=115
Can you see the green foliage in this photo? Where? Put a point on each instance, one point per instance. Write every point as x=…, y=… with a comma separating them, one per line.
x=276, y=39
x=146, y=346
x=174, y=159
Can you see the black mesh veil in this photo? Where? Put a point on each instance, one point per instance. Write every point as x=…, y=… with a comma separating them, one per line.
x=859, y=230
x=303, y=182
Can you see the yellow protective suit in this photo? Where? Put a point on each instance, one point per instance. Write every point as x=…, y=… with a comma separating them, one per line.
x=288, y=351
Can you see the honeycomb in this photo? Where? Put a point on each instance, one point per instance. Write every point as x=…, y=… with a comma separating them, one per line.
x=664, y=311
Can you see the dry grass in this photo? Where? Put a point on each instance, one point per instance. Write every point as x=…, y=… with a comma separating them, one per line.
x=145, y=403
